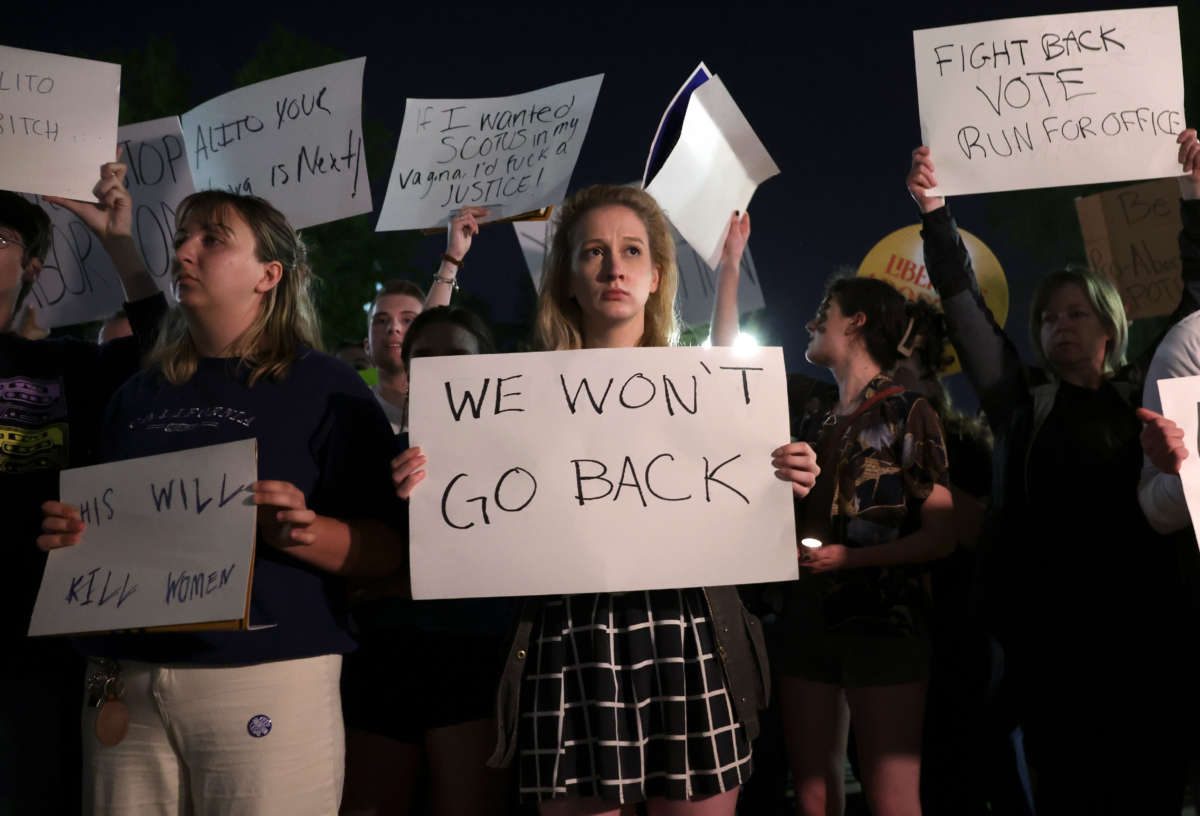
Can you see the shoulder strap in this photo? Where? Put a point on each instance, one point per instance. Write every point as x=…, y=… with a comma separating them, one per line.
x=831, y=445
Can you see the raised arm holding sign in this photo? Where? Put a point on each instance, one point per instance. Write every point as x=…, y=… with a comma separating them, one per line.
x=59, y=121
x=90, y=262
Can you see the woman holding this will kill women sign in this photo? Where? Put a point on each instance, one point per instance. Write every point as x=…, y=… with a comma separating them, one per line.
x=242, y=722
x=675, y=678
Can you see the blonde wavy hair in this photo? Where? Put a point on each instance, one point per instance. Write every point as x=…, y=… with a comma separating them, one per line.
x=287, y=316
x=558, y=323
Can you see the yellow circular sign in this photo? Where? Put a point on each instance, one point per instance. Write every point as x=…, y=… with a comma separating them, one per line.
x=899, y=259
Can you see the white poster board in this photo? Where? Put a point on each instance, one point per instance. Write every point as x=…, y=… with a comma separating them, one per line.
x=697, y=281
x=169, y=542
x=511, y=154
x=1181, y=404
x=713, y=170
x=78, y=281
x=599, y=470
x=295, y=140
x=158, y=179
x=58, y=122
x=1049, y=101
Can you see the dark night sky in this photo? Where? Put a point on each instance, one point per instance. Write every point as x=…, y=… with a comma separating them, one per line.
x=829, y=88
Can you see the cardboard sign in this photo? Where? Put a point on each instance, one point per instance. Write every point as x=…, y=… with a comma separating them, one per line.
x=1053, y=100
x=58, y=122
x=599, y=470
x=295, y=140
x=712, y=170
x=697, y=281
x=899, y=260
x=511, y=154
x=169, y=542
x=1132, y=236
x=1181, y=404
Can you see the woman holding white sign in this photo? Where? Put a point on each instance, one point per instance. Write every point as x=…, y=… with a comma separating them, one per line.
x=250, y=721
x=675, y=678
x=1084, y=649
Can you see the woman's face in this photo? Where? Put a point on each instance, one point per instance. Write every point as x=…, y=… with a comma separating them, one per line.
x=612, y=274
x=830, y=333
x=1072, y=334
x=216, y=267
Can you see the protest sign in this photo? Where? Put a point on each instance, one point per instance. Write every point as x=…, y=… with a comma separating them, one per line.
x=671, y=123
x=599, y=470
x=1181, y=404
x=58, y=122
x=510, y=154
x=899, y=260
x=78, y=282
x=1131, y=235
x=295, y=140
x=1053, y=100
x=712, y=170
x=169, y=542
x=697, y=281
x=158, y=179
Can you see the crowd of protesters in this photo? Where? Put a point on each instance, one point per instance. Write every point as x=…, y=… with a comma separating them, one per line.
x=991, y=617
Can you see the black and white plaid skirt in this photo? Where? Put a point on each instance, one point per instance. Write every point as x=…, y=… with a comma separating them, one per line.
x=624, y=699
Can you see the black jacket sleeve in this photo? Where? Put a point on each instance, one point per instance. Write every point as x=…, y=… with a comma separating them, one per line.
x=988, y=356
x=1189, y=256
x=145, y=318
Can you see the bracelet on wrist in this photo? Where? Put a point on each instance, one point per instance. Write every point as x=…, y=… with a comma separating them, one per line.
x=451, y=282
x=450, y=259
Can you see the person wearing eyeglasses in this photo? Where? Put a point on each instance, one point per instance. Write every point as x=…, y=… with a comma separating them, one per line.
x=52, y=398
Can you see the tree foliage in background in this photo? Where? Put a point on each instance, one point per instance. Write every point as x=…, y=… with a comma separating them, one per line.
x=152, y=84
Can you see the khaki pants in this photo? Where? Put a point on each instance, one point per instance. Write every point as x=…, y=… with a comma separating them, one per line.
x=192, y=749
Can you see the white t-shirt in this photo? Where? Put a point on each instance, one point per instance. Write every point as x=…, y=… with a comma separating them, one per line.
x=394, y=413
x=1161, y=494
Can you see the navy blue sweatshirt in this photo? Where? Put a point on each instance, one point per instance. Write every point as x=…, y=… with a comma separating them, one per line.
x=320, y=429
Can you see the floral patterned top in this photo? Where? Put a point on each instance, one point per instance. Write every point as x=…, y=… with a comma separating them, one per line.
x=886, y=465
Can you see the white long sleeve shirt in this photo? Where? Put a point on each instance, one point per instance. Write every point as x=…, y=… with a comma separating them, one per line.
x=1161, y=494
